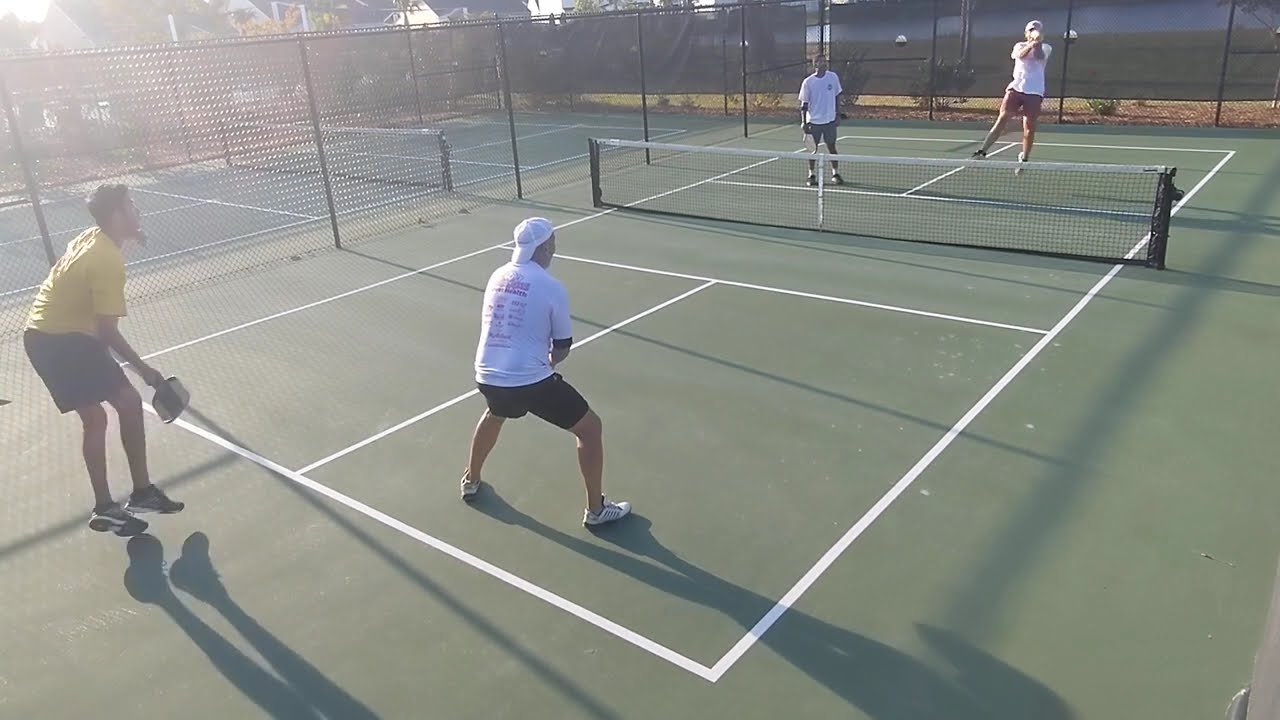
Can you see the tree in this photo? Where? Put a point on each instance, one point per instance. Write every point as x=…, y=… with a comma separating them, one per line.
x=16, y=34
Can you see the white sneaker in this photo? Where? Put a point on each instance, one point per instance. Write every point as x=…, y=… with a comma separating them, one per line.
x=609, y=512
x=469, y=489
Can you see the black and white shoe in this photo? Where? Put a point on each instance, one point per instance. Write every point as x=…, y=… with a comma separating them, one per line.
x=114, y=518
x=978, y=154
x=812, y=181
x=153, y=499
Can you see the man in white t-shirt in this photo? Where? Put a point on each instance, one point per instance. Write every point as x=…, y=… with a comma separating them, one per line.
x=525, y=332
x=1026, y=92
x=819, y=112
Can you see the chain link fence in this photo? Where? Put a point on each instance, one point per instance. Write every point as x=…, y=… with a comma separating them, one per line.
x=1172, y=62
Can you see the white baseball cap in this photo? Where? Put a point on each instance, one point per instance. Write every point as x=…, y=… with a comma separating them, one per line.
x=529, y=234
x=1033, y=25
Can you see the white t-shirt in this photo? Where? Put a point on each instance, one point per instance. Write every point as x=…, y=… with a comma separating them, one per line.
x=820, y=93
x=525, y=308
x=1028, y=72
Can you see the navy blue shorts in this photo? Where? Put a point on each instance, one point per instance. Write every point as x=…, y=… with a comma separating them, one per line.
x=824, y=133
x=77, y=369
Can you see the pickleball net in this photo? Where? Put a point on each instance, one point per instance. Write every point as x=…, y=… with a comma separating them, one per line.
x=416, y=158
x=1105, y=212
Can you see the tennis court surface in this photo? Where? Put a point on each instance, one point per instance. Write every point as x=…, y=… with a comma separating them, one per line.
x=871, y=478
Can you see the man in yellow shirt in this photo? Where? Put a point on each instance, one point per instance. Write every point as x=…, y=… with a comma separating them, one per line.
x=71, y=329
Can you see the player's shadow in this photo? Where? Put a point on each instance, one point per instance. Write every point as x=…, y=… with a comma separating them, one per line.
x=589, y=705
x=297, y=690
x=881, y=681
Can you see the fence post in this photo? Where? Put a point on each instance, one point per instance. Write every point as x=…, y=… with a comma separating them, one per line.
x=413, y=74
x=319, y=135
x=32, y=191
x=933, y=62
x=1066, y=56
x=724, y=68
x=511, y=113
x=644, y=90
x=1226, y=59
x=742, y=17
x=822, y=27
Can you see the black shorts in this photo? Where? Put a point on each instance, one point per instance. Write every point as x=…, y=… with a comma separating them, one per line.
x=78, y=369
x=825, y=133
x=553, y=400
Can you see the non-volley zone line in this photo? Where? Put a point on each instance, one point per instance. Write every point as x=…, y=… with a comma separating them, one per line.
x=613, y=628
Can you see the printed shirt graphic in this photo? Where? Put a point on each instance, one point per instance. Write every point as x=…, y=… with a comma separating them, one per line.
x=525, y=308
x=820, y=93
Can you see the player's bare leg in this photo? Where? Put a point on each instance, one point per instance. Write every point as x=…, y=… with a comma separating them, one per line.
x=997, y=130
x=1028, y=137
x=835, y=164
x=482, y=443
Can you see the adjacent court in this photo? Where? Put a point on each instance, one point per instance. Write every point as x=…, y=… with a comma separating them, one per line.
x=871, y=478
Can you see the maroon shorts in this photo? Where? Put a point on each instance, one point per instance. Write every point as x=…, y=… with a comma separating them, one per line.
x=1016, y=103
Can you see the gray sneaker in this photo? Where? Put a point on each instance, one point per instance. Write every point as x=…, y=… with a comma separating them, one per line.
x=609, y=512
x=116, y=519
x=469, y=488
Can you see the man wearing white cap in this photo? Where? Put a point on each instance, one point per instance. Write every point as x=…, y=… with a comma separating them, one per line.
x=525, y=332
x=1026, y=92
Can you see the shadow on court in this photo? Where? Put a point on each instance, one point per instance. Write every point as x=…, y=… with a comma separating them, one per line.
x=300, y=691
x=879, y=680
x=565, y=686
x=80, y=522
x=1017, y=546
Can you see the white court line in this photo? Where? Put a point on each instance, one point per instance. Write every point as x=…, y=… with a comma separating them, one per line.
x=348, y=293
x=488, y=568
x=450, y=403
x=808, y=295
x=317, y=303
x=229, y=204
x=934, y=198
x=829, y=558
x=1039, y=143
x=949, y=173
x=184, y=251
x=519, y=137
x=81, y=228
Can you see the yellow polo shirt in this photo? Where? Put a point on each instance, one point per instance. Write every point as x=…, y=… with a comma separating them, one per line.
x=87, y=281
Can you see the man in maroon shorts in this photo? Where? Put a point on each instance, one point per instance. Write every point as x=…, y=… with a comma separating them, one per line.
x=1025, y=94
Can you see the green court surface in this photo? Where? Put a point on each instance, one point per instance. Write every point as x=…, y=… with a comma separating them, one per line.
x=871, y=479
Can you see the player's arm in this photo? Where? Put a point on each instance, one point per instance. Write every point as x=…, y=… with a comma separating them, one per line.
x=561, y=329
x=1024, y=49
x=804, y=103
x=109, y=332
x=107, y=295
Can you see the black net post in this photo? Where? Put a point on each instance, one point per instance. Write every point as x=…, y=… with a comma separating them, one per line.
x=315, y=125
x=506, y=99
x=33, y=191
x=1226, y=59
x=1067, y=42
x=742, y=18
x=644, y=90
